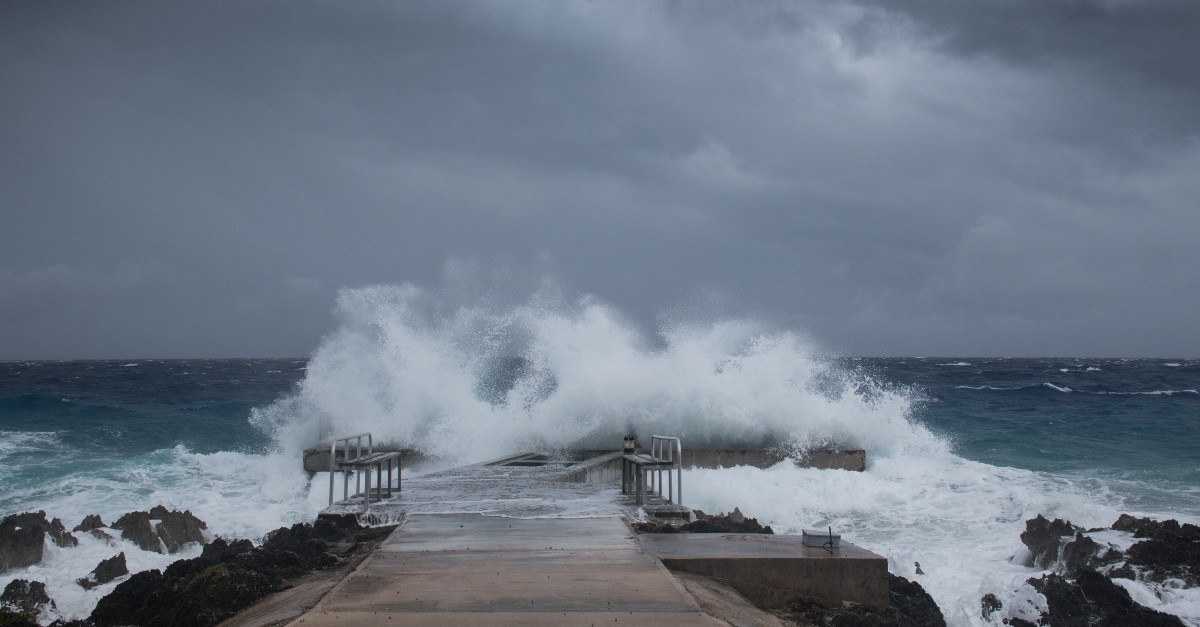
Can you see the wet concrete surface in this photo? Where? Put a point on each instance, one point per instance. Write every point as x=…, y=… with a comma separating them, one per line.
x=473, y=569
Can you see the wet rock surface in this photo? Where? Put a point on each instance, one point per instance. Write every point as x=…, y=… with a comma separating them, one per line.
x=1094, y=600
x=90, y=522
x=1044, y=538
x=161, y=528
x=105, y=571
x=733, y=522
x=22, y=538
x=228, y=576
x=1081, y=590
x=909, y=606
x=24, y=598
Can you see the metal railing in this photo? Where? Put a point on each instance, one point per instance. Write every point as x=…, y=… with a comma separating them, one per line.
x=349, y=454
x=670, y=449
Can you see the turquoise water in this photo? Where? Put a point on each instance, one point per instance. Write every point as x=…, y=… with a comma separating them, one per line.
x=977, y=443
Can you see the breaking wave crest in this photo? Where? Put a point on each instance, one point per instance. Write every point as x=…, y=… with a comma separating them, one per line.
x=468, y=380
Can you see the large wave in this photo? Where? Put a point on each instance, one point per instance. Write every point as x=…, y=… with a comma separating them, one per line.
x=472, y=380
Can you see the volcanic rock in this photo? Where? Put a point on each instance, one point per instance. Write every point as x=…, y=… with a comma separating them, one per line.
x=59, y=534
x=1170, y=550
x=989, y=604
x=1044, y=537
x=1092, y=600
x=1084, y=553
x=105, y=571
x=25, y=599
x=90, y=522
x=160, y=528
x=225, y=578
x=733, y=522
x=22, y=538
x=178, y=528
x=909, y=605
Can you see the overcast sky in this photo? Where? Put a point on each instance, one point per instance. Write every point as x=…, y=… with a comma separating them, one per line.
x=197, y=179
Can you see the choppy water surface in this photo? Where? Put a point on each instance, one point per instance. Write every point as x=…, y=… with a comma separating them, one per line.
x=961, y=451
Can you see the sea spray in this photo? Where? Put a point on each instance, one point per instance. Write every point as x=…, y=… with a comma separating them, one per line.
x=467, y=382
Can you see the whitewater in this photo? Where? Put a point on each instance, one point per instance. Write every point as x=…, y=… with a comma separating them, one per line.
x=960, y=451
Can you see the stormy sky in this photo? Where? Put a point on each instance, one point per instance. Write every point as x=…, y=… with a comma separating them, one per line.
x=934, y=177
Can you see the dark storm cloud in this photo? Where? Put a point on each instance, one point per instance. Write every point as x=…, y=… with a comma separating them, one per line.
x=199, y=178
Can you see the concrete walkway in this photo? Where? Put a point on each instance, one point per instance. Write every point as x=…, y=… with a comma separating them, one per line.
x=469, y=569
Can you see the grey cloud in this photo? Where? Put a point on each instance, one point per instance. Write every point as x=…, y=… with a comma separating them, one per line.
x=918, y=180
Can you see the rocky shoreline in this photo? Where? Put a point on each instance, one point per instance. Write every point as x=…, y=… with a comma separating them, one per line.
x=226, y=577
x=1083, y=586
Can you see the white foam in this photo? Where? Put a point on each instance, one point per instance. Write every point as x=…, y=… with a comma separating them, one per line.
x=407, y=366
x=960, y=519
x=12, y=442
x=60, y=568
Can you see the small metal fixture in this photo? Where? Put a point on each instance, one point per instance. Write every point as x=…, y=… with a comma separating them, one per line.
x=630, y=443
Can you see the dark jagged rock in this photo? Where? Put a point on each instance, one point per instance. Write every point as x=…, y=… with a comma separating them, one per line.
x=105, y=571
x=137, y=528
x=24, y=600
x=225, y=578
x=733, y=522
x=989, y=604
x=90, y=522
x=1084, y=553
x=101, y=534
x=1093, y=600
x=909, y=606
x=161, y=528
x=177, y=528
x=10, y=618
x=59, y=534
x=1044, y=537
x=1139, y=527
x=22, y=538
x=1170, y=550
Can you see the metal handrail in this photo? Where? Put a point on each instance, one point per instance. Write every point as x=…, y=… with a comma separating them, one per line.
x=358, y=454
x=669, y=448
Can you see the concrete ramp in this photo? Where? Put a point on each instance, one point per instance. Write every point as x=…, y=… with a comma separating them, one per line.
x=469, y=569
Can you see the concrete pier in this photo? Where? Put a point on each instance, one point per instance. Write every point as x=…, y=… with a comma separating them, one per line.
x=532, y=540
x=469, y=569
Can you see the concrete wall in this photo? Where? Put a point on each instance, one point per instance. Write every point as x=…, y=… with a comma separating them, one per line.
x=772, y=583
x=316, y=459
x=848, y=459
x=772, y=570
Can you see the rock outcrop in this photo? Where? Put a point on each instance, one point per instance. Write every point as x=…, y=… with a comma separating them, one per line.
x=1081, y=591
x=22, y=538
x=22, y=601
x=733, y=522
x=161, y=530
x=1093, y=600
x=226, y=577
x=105, y=571
x=1044, y=538
x=909, y=606
x=90, y=522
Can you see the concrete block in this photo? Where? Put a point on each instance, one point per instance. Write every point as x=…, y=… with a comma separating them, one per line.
x=772, y=570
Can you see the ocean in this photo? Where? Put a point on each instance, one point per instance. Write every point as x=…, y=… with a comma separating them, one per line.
x=961, y=451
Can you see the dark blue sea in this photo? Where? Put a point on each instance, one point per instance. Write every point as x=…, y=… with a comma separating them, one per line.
x=962, y=450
